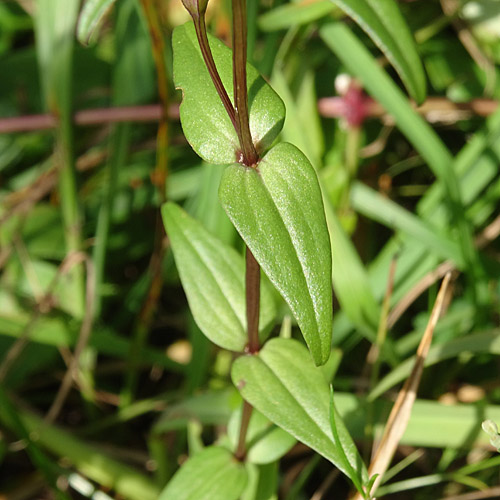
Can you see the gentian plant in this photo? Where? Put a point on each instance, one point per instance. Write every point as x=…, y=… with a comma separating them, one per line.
x=271, y=194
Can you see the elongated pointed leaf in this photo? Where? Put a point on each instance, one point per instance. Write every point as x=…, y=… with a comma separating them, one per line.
x=213, y=277
x=92, y=13
x=284, y=385
x=205, y=122
x=278, y=210
x=384, y=24
x=211, y=474
x=377, y=207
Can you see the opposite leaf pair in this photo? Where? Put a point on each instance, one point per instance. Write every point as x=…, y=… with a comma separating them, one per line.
x=277, y=206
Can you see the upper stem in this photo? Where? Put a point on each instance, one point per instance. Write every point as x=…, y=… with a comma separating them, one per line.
x=201, y=33
x=249, y=154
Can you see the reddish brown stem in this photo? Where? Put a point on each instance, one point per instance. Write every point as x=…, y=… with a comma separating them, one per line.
x=249, y=154
x=201, y=33
x=253, y=301
x=246, y=413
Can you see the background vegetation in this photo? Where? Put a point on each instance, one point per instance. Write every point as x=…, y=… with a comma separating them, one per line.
x=106, y=382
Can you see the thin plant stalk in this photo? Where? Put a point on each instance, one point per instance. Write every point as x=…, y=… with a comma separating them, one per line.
x=239, y=117
x=201, y=33
x=252, y=280
x=249, y=154
x=249, y=158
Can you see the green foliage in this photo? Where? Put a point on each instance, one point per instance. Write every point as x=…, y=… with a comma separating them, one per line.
x=211, y=474
x=279, y=213
x=212, y=275
x=284, y=385
x=90, y=17
x=205, y=122
x=383, y=22
x=153, y=406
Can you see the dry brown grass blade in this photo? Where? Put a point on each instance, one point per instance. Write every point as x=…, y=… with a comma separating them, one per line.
x=401, y=411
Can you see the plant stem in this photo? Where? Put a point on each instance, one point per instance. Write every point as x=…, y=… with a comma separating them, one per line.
x=249, y=154
x=201, y=33
x=249, y=157
x=252, y=279
x=246, y=413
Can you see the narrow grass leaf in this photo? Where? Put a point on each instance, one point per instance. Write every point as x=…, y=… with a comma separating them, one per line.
x=487, y=342
x=211, y=474
x=401, y=411
x=90, y=17
x=296, y=13
x=213, y=277
x=354, y=476
x=432, y=424
x=55, y=22
x=204, y=120
x=384, y=24
x=377, y=207
x=278, y=211
x=60, y=333
x=285, y=386
x=89, y=461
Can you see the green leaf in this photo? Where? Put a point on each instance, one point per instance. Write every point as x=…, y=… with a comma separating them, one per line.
x=92, y=13
x=262, y=482
x=213, y=277
x=293, y=14
x=265, y=442
x=212, y=474
x=205, y=122
x=278, y=210
x=384, y=24
x=285, y=386
x=353, y=475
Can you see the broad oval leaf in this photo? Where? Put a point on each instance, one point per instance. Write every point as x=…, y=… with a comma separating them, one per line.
x=278, y=211
x=211, y=474
x=204, y=120
x=265, y=442
x=92, y=13
x=284, y=385
x=213, y=277
x=384, y=24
